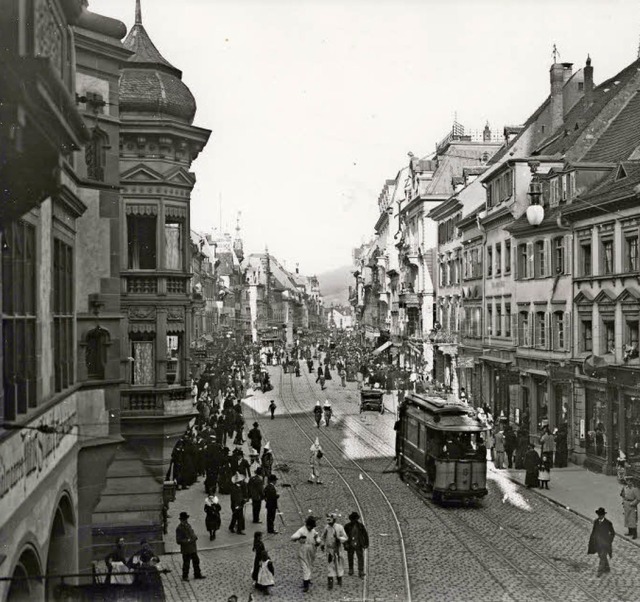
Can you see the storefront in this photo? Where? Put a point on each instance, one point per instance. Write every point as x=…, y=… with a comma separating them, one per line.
x=499, y=384
x=624, y=396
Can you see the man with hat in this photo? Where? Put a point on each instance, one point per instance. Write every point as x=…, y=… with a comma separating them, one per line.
x=271, y=496
x=357, y=543
x=601, y=541
x=238, y=497
x=630, y=495
x=255, y=437
x=256, y=493
x=186, y=539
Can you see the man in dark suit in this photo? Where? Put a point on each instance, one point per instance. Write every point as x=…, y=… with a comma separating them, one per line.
x=186, y=539
x=271, y=502
x=601, y=541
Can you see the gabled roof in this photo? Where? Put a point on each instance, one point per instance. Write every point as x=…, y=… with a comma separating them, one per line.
x=582, y=115
x=629, y=294
x=613, y=187
x=583, y=296
x=605, y=296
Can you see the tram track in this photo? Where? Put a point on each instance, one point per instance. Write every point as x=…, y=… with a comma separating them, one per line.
x=361, y=501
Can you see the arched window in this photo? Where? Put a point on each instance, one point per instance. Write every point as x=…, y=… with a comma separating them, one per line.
x=96, y=352
x=95, y=154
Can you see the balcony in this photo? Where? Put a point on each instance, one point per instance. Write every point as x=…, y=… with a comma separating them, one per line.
x=147, y=402
x=155, y=283
x=445, y=337
x=409, y=298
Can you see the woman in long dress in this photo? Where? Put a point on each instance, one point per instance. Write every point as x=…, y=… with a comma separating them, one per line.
x=531, y=464
x=309, y=540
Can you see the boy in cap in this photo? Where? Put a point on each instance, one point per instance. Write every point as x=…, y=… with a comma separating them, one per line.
x=186, y=539
x=601, y=541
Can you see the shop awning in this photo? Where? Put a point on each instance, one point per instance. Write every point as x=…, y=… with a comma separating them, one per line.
x=533, y=372
x=495, y=360
x=382, y=347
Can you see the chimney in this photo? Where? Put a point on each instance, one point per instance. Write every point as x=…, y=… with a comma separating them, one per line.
x=588, y=83
x=297, y=269
x=559, y=74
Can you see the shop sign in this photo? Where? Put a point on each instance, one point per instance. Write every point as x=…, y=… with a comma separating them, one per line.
x=31, y=453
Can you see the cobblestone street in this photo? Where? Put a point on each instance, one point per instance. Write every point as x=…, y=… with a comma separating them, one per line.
x=516, y=545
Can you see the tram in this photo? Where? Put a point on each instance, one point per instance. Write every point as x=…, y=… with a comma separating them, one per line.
x=438, y=445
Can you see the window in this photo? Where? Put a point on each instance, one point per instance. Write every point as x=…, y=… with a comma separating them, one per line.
x=523, y=329
x=141, y=241
x=608, y=335
x=498, y=259
x=500, y=189
x=63, y=338
x=541, y=259
x=606, y=250
x=631, y=335
x=489, y=261
x=585, y=258
x=489, y=320
x=19, y=318
x=498, y=320
x=95, y=154
x=580, y=86
x=507, y=319
x=596, y=436
x=507, y=256
x=558, y=255
x=173, y=245
x=558, y=330
x=631, y=252
x=586, y=335
x=174, y=359
x=97, y=341
x=541, y=323
x=143, y=369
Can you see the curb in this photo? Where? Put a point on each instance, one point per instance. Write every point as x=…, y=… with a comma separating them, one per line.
x=561, y=505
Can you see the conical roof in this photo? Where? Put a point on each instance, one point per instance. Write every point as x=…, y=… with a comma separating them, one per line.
x=150, y=84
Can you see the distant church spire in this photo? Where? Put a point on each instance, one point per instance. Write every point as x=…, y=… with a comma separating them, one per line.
x=138, y=13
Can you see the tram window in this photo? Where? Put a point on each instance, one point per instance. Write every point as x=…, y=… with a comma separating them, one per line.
x=413, y=431
x=422, y=437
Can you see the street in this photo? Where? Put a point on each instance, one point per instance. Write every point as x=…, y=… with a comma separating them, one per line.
x=515, y=545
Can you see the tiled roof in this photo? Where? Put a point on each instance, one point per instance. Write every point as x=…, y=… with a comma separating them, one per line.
x=225, y=267
x=581, y=116
x=613, y=186
x=622, y=137
x=144, y=50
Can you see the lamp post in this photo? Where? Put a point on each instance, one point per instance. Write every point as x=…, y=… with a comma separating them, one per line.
x=535, y=210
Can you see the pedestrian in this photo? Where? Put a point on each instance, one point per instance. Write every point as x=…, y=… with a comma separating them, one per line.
x=357, y=543
x=510, y=444
x=547, y=444
x=258, y=548
x=343, y=376
x=317, y=413
x=186, y=539
x=147, y=578
x=212, y=509
x=255, y=437
x=310, y=365
x=116, y=561
x=266, y=574
x=314, y=462
x=601, y=541
x=238, y=498
x=630, y=494
x=309, y=540
x=272, y=408
x=256, y=493
x=332, y=541
x=267, y=460
x=271, y=496
x=328, y=412
x=499, y=448
x=320, y=371
x=531, y=464
x=327, y=373
x=544, y=472
x=297, y=367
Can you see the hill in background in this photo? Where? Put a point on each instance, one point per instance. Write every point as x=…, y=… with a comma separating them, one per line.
x=334, y=285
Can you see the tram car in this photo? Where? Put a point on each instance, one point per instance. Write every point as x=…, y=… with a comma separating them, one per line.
x=437, y=445
x=372, y=399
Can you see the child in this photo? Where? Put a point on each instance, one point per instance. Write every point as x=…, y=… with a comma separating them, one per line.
x=265, y=574
x=544, y=472
x=272, y=408
x=212, y=510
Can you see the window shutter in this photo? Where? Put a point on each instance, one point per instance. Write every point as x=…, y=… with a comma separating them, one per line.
x=568, y=328
x=547, y=331
x=530, y=259
x=548, y=261
x=514, y=329
x=532, y=329
x=568, y=254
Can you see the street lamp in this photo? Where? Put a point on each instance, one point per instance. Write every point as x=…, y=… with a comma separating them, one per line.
x=535, y=211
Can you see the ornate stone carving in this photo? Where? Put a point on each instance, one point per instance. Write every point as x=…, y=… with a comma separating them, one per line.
x=175, y=314
x=49, y=35
x=142, y=312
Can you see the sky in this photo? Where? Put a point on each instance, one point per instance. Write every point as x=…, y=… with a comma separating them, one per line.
x=313, y=104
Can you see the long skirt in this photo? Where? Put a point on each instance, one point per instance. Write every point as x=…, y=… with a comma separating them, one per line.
x=630, y=515
x=335, y=564
x=307, y=558
x=531, y=478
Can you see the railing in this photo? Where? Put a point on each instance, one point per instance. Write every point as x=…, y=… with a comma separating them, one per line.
x=142, y=285
x=157, y=402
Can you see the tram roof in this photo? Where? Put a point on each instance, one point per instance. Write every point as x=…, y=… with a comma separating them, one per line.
x=445, y=415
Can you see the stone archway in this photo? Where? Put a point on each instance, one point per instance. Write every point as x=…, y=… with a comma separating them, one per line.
x=22, y=588
x=61, y=556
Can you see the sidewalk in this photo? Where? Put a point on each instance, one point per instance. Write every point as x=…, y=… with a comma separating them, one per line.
x=580, y=491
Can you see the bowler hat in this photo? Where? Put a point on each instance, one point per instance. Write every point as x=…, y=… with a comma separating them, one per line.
x=273, y=477
x=184, y=516
x=255, y=424
x=601, y=511
x=354, y=516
